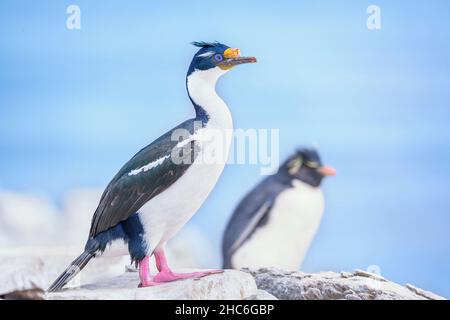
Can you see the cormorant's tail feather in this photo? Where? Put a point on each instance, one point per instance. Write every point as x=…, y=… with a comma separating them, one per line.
x=74, y=268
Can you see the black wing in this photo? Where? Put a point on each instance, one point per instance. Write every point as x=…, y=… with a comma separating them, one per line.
x=135, y=184
x=251, y=213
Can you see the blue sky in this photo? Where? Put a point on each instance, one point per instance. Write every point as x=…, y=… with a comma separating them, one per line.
x=75, y=105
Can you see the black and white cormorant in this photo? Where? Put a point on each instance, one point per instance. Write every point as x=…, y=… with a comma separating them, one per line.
x=156, y=192
x=274, y=224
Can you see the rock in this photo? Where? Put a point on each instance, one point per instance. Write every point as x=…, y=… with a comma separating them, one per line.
x=29, y=294
x=423, y=293
x=262, y=295
x=366, y=274
x=24, y=273
x=312, y=294
x=36, y=268
x=230, y=285
x=359, y=285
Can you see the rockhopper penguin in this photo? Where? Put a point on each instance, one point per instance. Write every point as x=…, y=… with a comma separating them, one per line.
x=156, y=192
x=275, y=223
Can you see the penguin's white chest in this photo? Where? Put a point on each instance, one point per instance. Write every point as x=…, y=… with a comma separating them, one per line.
x=285, y=239
x=164, y=215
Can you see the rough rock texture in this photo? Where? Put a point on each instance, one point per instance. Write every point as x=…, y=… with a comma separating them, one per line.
x=358, y=285
x=230, y=285
x=24, y=272
x=262, y=295
x=29, y=294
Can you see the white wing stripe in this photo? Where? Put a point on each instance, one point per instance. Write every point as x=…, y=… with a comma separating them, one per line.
x=149, y=166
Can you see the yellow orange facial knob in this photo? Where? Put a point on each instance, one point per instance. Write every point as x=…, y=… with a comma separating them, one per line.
x=231, y=53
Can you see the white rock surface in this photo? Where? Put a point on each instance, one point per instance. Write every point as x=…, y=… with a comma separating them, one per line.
x=358, y=285
x=28, y=268
x=230, y=285
x=31, y=268
x=262, y=295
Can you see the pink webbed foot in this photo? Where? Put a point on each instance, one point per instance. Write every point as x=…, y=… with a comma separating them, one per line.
x=168, y=276
x=165, y=274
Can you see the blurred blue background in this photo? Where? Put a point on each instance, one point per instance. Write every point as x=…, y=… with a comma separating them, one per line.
x=76, y=104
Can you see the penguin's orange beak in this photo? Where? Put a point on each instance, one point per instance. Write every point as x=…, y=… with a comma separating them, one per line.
x=327, y=171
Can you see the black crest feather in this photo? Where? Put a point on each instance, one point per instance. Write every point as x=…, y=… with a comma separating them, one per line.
x=203, y=44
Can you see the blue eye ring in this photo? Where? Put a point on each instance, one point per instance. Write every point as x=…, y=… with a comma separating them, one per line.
x=218, y=57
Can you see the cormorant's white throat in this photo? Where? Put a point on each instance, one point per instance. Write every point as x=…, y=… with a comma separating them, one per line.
x=201, y=86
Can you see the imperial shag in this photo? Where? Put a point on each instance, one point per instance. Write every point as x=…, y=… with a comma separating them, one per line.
x=164, y=184
x=275, y=223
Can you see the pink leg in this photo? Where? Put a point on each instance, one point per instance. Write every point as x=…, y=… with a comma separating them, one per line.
x=144, y=274
x=167, y=275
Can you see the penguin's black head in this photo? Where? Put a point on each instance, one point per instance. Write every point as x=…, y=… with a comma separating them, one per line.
x=217, y=55
x=307, y=166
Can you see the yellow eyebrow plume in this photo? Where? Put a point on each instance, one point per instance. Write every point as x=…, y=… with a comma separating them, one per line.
x=231, y=53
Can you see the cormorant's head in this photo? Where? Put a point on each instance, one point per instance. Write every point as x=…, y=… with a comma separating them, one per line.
x=306, y=166
x=214, y=55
